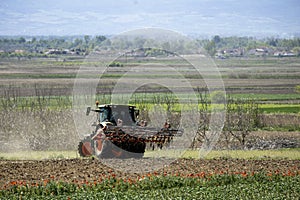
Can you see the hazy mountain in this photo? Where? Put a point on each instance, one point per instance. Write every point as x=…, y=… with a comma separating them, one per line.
x=191, y=17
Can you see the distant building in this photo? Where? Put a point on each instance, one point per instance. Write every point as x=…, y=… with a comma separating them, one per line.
x=261, y=51
x=236, y=52
x=284, y=54
x=57, y=51
x=19, y=51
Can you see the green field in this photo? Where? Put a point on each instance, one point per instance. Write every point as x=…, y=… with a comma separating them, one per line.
x=280, y=108
x=266, y=97
x=292, y=154
x=199, y=186
x=56, y=102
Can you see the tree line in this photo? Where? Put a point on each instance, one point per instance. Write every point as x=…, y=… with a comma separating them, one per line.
x=249, y=43
x=87, y=43
x=34, y=45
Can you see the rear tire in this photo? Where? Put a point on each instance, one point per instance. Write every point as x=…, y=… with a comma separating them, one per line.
x=85, y=147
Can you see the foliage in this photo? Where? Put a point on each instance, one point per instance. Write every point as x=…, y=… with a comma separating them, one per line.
x=39, y=45
x=280, y=108
x=218, y=97
x=115, y=64
x=266, y=97
x=153, y=52
x=85, y=44
x=210, y=47
x=201, y=185
x=297, y=88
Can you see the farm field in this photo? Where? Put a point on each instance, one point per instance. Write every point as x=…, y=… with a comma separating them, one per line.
x=150, y=100
x=184, y=178
x=38, y=139
x=252, y=76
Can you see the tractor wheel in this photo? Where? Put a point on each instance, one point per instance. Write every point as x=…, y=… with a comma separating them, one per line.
x=85, y=147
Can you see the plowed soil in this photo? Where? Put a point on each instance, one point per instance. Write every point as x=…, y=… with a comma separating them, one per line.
x=69, y=170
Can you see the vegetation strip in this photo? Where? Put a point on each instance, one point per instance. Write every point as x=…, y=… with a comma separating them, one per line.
x=177, y=185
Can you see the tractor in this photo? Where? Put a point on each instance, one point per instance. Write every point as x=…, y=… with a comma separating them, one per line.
x=119, y=134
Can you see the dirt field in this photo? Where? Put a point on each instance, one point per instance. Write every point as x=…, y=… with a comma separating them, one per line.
x=239, y=76
x=55, y=78
x=71, y=170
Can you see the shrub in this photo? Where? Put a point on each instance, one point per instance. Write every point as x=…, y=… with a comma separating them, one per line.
x=297, y=88
x=115, y=64
x=218, y=97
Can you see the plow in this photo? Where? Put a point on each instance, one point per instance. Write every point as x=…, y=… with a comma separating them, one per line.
x=119, y=134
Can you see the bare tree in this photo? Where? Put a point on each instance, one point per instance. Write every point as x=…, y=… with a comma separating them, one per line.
x=241, y=119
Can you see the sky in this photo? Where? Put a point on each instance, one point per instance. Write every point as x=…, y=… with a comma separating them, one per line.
x=189, y=17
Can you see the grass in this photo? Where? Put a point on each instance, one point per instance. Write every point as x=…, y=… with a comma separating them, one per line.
x=52, y=101
x=38, y=155
x=266, y=97
x=280, y=108
x=291, y=154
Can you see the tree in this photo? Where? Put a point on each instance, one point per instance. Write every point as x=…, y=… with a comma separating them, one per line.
x=296, y=50
x=77, y=42
x=203, y=135
x=166, y=46
x=273, y=42
x=87, y=39
x=210, y=47
x=33, y=40
x=241, y=119
x=139, y=42
x=217, y=39
x=21, y=40
x=100, y=39
x=106, y=43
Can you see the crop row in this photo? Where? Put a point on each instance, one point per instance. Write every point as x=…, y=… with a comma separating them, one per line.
x=163, y=186
x=63, y=102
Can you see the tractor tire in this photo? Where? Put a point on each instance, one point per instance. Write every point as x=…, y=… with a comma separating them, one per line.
x=85, y=147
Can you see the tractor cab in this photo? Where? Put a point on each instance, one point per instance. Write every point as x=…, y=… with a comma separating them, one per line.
x=116, y=114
